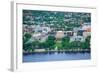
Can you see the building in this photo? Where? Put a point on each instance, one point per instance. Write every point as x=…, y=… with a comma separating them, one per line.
x=77, y=38
x=42, y=29
x=39, y=37
x=45, y=30
x=39, y=50
x=87, y=30
x=52, y=33
x=29, y=29
x=80, y=33
x=38, y=29
x=59, y=34
x=69, y=33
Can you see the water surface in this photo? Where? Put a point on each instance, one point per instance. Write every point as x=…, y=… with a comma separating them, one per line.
x=43, y=57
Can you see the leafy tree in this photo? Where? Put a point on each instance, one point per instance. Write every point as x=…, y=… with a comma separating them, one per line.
x=65, y=43
x=27, y=47
x=50, y=42
x=86, y=44
x=27, y=35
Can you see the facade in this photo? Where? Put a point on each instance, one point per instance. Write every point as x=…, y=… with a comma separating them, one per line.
x=39, y=36
x=69, y=33
x=81, y=33
x=77, y=38
x=42, y=29
x=59, y=34
x=87, y=29
x=28, y=29
x=39, y=50
x=41, y=33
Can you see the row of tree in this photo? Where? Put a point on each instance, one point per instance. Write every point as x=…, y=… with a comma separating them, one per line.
x=51, y=43
x=69, y=19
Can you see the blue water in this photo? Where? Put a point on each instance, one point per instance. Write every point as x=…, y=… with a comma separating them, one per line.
x=44, y=57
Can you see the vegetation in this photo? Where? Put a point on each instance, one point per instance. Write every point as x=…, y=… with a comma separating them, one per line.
x=63, y=21
x=51, y=43
x=55, y=19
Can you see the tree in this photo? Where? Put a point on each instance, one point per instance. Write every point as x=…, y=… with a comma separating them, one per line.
x=26, y=37
x=27, y=46
x=50, y=42
x=65, y=43
x=86, y=44
x=67, y=39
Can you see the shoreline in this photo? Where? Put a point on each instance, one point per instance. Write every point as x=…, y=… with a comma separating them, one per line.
x=60, y=51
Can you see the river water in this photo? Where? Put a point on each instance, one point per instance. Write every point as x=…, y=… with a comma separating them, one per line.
x=44, y=57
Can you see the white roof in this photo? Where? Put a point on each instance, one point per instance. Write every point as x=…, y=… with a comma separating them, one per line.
x=36, y=34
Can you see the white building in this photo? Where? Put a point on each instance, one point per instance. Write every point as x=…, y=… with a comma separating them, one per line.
x=59, y=34
x=45, y=29
x=38, y=28
x=39, y=37
x=77, y=38
x=42, y=29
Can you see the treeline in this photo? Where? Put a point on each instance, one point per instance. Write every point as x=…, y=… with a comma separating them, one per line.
x=55, y=18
